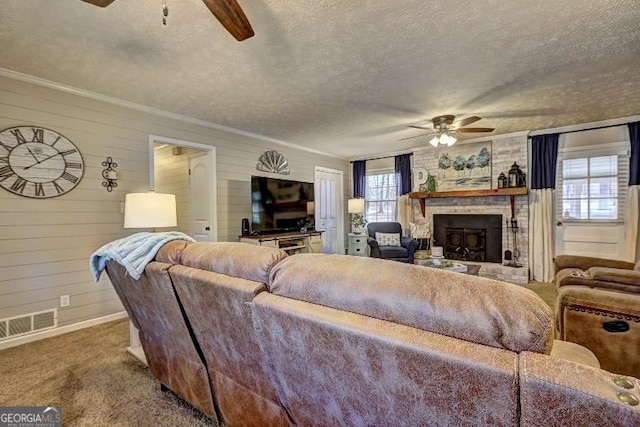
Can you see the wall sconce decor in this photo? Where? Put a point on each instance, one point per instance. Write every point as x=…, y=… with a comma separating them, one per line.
x=109, y=174
x=274, y=162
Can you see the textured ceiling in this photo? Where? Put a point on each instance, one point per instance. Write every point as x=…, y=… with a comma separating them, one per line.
x=343, y=77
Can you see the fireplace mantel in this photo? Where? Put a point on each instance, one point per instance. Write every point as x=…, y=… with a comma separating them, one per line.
x=511, y=192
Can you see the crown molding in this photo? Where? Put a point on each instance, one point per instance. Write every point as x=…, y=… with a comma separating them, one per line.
x=588, y=126
x=387, y=154
x=150, y=110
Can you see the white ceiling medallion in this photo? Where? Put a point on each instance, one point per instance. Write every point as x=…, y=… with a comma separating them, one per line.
x=274, y=162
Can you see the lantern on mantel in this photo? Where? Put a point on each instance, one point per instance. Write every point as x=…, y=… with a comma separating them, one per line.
x=515, y=175
x=502, y=181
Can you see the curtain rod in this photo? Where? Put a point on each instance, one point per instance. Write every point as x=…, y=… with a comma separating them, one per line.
x=583, y=130
x=380, y=158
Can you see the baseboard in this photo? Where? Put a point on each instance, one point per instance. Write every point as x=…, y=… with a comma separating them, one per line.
x=13, y=342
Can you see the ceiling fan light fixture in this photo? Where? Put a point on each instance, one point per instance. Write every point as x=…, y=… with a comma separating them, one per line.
x=435, y=141
x=447, y=139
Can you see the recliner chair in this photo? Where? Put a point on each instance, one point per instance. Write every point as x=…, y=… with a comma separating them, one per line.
x=402, y=251
x=598, y=307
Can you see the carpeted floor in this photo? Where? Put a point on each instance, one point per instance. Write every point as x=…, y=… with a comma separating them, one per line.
x=92, y=377
x=97, y=383
x=546, y=291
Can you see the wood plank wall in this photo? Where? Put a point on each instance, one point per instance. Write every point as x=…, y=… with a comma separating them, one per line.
x=45, y=244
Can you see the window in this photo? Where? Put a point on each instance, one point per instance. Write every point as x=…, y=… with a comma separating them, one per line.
x=592, y=186
x=381, y=196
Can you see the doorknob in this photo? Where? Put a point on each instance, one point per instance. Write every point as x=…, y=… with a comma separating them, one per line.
x=559, y=224
x=207, y=228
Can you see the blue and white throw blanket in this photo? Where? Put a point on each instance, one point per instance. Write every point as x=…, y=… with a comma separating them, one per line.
x=132, y=252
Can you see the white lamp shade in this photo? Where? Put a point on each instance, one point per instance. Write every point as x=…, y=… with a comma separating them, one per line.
x=150, y=210
x=447, y=139
x=311, y=208
x=355, y=206
x=435, y=141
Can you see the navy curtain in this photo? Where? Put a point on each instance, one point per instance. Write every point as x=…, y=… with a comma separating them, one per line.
x=403, y=173
x=544, y=156
x=360, y=179
x=634, y=161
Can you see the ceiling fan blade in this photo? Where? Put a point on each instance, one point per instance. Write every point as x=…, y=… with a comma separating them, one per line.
x=474, y=130
x=419, y=127
x=99, y=3
x=416, y=136
x=231, y=16
x=467, y=121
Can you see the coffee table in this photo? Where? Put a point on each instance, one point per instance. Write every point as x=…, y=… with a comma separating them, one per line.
x=444, y=264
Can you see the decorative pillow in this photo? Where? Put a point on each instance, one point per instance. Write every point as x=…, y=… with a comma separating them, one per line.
x=388, y=239
x=420, y=231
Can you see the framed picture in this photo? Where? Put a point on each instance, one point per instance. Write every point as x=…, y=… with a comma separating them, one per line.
x=465, y=167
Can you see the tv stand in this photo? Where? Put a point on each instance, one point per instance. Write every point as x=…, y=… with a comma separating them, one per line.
x=292, y=242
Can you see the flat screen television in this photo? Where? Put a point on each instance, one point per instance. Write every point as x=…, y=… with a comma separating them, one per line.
x=280, y=205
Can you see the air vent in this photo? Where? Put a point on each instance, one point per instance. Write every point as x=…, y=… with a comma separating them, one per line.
x=28, y=323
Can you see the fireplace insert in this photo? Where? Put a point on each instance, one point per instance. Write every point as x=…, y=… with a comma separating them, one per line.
x=469, y=237
x=465, y=244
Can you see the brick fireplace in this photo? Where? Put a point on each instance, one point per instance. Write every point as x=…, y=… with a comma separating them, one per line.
x=505, y=151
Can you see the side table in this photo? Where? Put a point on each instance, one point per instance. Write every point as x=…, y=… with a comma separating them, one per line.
x=357, y=245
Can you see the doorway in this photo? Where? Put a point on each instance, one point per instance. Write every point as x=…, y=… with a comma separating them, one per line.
x=329, y=194
x=186, y=169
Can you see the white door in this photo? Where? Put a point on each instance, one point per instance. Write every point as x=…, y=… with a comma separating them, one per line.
x=597, y=240
x=586, y=171
x=200, y=192
x=329, y=210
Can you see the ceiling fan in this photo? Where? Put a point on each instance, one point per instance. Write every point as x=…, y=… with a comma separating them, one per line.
x=444, y=126
x=228, y=12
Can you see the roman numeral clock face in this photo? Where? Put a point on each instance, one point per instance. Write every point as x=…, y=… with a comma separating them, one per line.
x=38, y=163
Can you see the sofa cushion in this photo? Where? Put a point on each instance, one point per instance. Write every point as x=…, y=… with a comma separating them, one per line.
x=391, y=252
x=578, y=277
x=171, y=252
x=218, y=309
x=243, y=260
x=388, y=239
x=336, y=368
x=472, y=308
x=574, y=352
x=629, y=277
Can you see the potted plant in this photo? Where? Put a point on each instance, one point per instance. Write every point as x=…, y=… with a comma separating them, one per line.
x=430, y=185
x=358, y=222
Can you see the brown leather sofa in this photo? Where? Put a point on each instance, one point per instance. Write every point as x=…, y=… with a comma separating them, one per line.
x=598, y=307
x=314, y=339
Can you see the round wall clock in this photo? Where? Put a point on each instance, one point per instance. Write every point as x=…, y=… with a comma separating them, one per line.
x=38, y=163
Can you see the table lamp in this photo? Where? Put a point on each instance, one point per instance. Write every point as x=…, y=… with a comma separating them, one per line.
x=355, y=207
x=150, y=210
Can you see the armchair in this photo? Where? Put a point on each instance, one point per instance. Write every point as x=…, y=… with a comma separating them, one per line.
x=402, y=249
x=598, y=306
